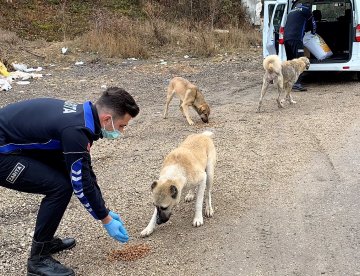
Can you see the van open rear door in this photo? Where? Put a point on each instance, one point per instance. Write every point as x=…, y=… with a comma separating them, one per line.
x=274, y=35
x=268, y=39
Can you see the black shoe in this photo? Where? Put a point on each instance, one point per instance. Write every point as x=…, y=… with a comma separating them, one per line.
x=298, y=87
x=41, y=263
x=57, y=245
x=47, y=266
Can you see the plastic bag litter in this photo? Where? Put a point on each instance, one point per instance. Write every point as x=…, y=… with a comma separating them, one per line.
x=317, y=46
x=3, y=70
x=23, y=82
x=5, y=85
x=23, y=67
x=24, y=75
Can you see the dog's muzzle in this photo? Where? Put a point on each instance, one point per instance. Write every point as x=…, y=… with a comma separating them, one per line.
x=205, y=119
x=161, y=217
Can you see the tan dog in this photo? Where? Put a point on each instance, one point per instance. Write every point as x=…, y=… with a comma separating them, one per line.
x=190, y=166
x=284, y=75
x=189, y=95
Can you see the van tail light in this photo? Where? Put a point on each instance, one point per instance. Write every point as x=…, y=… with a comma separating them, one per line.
x=357, y=33
x=281, y=34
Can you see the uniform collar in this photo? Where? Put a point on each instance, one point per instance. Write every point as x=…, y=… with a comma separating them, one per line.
x=92, y=121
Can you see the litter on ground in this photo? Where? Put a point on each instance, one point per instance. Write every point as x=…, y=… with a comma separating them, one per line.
x=23, y=73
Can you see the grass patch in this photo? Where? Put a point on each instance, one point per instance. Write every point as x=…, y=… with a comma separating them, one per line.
x=114, y=36
x=134, y=28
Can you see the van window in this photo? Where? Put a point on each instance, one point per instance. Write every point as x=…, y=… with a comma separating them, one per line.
x=270, y=11
x=278, y=17
x=334, y=11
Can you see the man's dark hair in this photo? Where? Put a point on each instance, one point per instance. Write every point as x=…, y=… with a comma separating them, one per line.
x=119, y=101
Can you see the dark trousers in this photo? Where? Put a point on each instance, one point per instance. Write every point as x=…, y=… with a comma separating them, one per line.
x=39, y=175
x=294, y=49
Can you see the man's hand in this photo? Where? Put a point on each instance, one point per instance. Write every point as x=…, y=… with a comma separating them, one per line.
x=116, y=230
x=115, y=216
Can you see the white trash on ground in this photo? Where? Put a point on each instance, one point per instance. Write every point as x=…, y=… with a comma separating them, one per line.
x=4, y=85
x=22, y=72
x=23, y=82
x=24, y=76
x=23, y=67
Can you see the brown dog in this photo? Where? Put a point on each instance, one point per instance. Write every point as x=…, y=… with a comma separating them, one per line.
x=188, y=167
x=189, y=95
x=283, y=74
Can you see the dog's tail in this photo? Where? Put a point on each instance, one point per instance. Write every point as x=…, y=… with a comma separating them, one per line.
x=208, y=133
x=272, y=64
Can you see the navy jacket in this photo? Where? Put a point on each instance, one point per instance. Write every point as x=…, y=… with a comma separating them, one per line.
x=299, y=21
x=62, y=126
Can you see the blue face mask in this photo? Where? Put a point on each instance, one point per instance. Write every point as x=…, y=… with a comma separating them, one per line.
x=113, y=134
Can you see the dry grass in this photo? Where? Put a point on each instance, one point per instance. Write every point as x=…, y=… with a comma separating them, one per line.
x=136, y=29
x=114, y=36
x=9, y=41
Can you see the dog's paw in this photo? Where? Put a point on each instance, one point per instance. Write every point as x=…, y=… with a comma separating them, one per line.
x=189, y=197
x=191, y=123
x=198, y=222
x=292, y=102
x=280, y=103
x=146, y=232
x=209, y=211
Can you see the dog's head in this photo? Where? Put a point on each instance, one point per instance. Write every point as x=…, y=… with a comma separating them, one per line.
x=204, y=112
x=166, y=196
x=306, y=62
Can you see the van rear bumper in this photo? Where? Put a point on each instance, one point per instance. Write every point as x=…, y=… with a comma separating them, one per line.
x=346, y=66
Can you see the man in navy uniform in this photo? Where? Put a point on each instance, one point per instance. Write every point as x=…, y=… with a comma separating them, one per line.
x=44, y=149
x=299, y=20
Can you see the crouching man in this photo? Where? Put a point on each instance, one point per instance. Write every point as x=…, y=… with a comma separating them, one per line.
x=44, y=149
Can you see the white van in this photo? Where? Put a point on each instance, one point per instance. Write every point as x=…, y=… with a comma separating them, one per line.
x=339, y=27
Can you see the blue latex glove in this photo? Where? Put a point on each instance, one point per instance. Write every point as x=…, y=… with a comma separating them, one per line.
x=117, y=230
x=115, y=216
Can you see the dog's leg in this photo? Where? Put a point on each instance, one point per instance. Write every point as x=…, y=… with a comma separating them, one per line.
x=280, y=86
x=185, y=106
x=181, y=109
x=190, y=195
x=264, y=88
x=198, y=219
x=151, y=226
x=288, y=94
x=209, y=211
x=169, y=97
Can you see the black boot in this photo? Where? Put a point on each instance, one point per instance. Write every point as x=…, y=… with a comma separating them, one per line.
x=41, y=263
x=58, y=245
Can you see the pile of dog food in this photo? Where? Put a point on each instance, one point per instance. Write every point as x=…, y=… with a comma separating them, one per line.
x=130, y=252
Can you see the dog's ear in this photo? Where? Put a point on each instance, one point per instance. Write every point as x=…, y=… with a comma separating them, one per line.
x=153, y=185
x=173, y=191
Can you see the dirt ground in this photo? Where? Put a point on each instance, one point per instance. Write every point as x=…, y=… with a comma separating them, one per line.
x=286, y=181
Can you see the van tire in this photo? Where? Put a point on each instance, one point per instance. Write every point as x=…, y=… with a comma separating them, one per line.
x=358, y=75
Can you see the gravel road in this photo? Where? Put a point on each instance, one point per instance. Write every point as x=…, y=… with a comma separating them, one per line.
x=286, y=191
